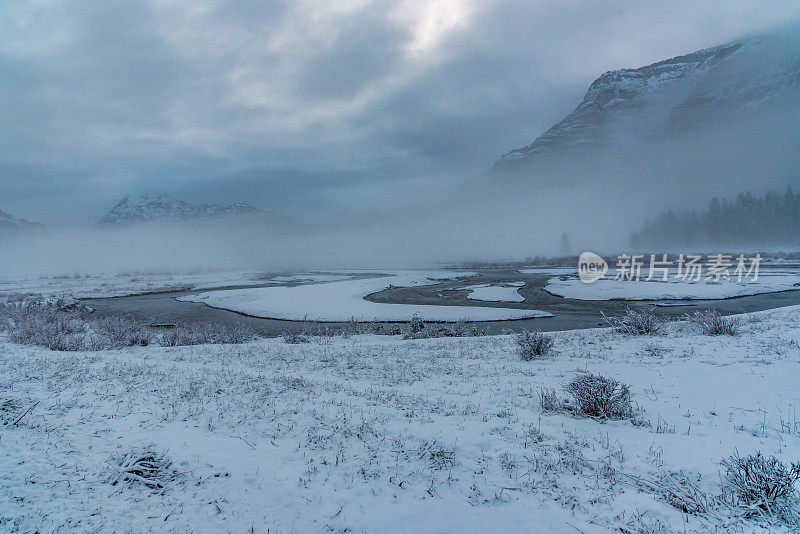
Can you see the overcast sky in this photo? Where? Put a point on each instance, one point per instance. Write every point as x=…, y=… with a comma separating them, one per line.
x=317, y=104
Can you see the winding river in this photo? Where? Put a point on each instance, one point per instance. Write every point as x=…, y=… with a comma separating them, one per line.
x=568, y=313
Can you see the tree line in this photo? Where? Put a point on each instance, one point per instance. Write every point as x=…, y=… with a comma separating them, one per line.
x=771, y=219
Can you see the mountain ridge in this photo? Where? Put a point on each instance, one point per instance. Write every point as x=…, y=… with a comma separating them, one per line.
x=629, y=107
x=164, y=208
x=10, y=222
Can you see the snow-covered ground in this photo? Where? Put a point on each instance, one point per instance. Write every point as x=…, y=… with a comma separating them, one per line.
x=116, y=285
x=123, y=284
x=609, y=288
x=550, y=270
x=508, y=292
x=380, y=434
x=344, y=300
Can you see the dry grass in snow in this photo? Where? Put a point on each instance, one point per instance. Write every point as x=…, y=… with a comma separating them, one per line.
x=382, y=434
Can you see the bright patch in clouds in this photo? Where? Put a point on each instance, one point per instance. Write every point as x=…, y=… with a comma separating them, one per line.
x=431, y=21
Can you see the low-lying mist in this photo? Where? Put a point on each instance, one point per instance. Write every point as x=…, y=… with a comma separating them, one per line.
x=598, y=198
x=516, y=226
x=401, y=240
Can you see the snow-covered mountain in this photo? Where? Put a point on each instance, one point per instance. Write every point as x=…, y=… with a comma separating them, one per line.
x=629, y=107
x=9, y=222
x=164, y=208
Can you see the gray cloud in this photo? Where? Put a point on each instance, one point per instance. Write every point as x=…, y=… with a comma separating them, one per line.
x=306, y=104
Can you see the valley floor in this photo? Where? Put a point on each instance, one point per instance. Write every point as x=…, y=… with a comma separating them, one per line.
x=381, y=434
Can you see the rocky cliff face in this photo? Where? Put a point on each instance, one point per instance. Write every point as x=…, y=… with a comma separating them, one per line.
x=628, y=107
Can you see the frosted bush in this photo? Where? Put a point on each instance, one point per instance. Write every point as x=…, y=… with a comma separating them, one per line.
x=638, y=322
x=458, y=329
x=764, y=485
x=295, y=338
x=601, y=397
x=146, y=466
x=715, y=324
x=533, y=345
x=67, y=325
x=416, y=325
x=206, y=333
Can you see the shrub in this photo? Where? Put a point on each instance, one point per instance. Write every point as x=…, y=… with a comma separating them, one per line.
x=640, y=523
x=65, y=324
x=207, y=333
x=654, y=350
x=463, y=329
x=715, y=324
x=638, y=322
x=353, y=328
x=533, y=345
x=122, y=332
x=458, y=329
x=46, y=326
x=416, y=325
x=534, y=435
x=763, y=485
x=549, y=401
x=8, y=409
x=601, y=397
x=295, y=338
x=679, y=489
x=143, y=466
x=69, y=326
x=437, y=454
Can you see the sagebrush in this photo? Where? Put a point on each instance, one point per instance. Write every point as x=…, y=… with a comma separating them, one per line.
x=715, y=324
x=762, y=485
x=419, y=330
x=68, y=325
x=600, y=397
x=145, y=466
x=637, y=322
x=533, y=345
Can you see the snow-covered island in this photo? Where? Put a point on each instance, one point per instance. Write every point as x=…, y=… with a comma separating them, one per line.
x=344, y=301
x=506, y=292
x=609, y=288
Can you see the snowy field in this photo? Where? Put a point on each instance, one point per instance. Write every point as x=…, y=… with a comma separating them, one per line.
x=608, y=288
x=381, y=434
x=344, y=300
x=123, y=284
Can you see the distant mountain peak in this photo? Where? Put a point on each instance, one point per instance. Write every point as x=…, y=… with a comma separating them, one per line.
x=164, y=208
x=626, y=107
x=9, y=222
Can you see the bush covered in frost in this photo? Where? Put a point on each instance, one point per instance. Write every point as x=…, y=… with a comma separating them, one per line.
x=764, y=485
x=637, y=322
x=601, y=397
x=715, y=324
x=66, y=324
x=533, y=345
